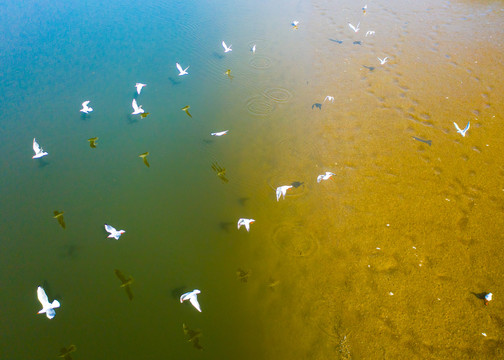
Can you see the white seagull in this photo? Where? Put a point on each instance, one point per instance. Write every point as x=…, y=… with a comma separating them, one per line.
x=354, y=28
x=182, y=71
x=139, y=87
x=47, y=307
x=281, y=190
x=330, y=98
x=192, y=297
x=226, y=48
x=136, y=109
x=370, y=32
x=327, y=176
x=383, y=61
x=253, y=49
x=219, y=133
x=246, y=223
x=295, y=23
x=39, y=152
x=462, y=132
x=85, y=108
x=113, y=232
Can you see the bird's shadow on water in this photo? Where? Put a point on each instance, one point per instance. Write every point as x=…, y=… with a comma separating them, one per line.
x=174, y=81
x=176, y=292
x=243, y=201
x=208, y=141
x=336, y=41
x=131, y=120
x=49, y=292
x=85, y=117
x=69, y=251
x=42, y=163
x=216, y=55
x=297, y=184
x=357, y=42
x=480, y=296
x=370, y=68
x=317, y=105
x=226, y=226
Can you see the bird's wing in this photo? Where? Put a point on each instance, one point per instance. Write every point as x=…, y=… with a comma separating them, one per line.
x=85, y=103
x=121, y=276
x=61, y=220
x=145, y=161
x=110, y=229
x=55, y=304
x=351, y=26
x=194, y=301
x=42, y=297
x=179, y=68
x=224, y=44
x=135, y=106
x=467, y=126
x=36, y=146
x=456, y=126
x=129, y=292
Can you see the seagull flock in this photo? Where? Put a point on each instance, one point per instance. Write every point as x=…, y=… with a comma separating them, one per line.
x=48, y=308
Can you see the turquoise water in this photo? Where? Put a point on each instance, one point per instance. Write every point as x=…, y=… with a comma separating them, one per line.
x=421, y=222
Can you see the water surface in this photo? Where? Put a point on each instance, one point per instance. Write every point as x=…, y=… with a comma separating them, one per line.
x=387, y=259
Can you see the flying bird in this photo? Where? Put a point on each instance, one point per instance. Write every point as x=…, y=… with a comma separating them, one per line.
x=192, y=297
x=59, y=216
x=354, y=28
x=139, y=87
x=113, y=233
x=327, y=176
x=92, y=142
x=186, y=109
x=144, y=158
x=226, y=48
x=136, y=109
x=282, y=190
x=246, y=223
x=383, y=61
x=85, y=108
x=39, y=152
x=182, y=71
x=47, y=307
x=219, y=133
x=370, y=32
x=253, y=49
x=330, y=98
x=462, y=132
x=364, y=9
x=295, y=24
x=125, y=282
x=65, y=352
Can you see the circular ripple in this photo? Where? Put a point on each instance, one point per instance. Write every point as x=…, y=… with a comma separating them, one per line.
x=294, y=240
x=260, y=106
x=260, y=62
x=279, y=95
